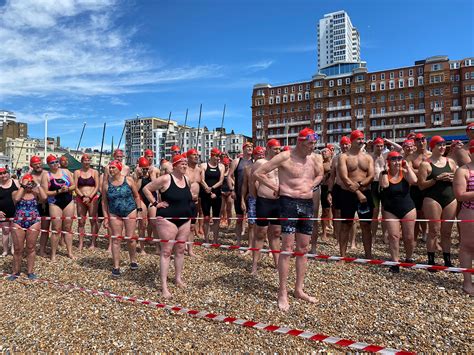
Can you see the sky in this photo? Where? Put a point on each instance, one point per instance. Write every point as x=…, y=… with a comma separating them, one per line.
x=97, y=61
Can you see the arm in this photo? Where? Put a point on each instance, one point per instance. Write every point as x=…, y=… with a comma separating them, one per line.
x=423, y=172
x=230, y=177
x=245, y=183
x=203, y=179
x=344, y=174
x=396, y=146
x=221, y=178
x=45, y=186
x=318, y=169
x=370, y=173
x=155, y=185
x=409, y=174
x=332, y=174
x=136, y=195
x=18, y=194
x=71, y=187
x=75, y=179
x=95, y=173
x=274, y=163
x=460, y=185
x=383, y=180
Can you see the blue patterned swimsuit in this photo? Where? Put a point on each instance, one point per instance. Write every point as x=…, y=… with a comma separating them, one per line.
x=120, y=199
x=27, y=213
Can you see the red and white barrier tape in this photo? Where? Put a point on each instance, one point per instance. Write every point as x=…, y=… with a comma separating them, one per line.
x=360, y=346
x=377, y=262
x=13, y=219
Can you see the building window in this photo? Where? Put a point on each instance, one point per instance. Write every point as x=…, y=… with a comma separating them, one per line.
x=292, y=97
x=331, y=83
x=401, y=84
x=400, y=74
x=348, y=81
x=373, y=77
x=382, y=86
x=285, y=98
x=410, y=72
x=300, y=88
x=411, y=82
x=373, y=87
x=391, y=84
x=270, y=101
x=392, y=75
x=286, y=90
x=278, y=91
x=436, y=67
x=277, y=99
x=420, y=80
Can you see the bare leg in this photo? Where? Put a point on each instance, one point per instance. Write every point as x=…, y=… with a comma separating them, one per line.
x=45, y=224
x=182, y=235
x=283, y=265
x=81, y=223
x=130, y=225
x=168, y=231
x=18, y=246
x=31, y=237
x=259, y=239
x=116, y=227
x=366, y=239
x=346, y=227
x=274, y=234
x=55, y=211
x=466, y=249
x=302, y=244
x=5, y=237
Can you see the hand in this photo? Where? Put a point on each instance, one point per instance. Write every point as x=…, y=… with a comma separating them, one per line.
x=329, y=199
x=361, y=197
x=64, y=189
x=243, y=206
x=106, y=222
x=162, y=204
x=86, y=200
x=353, y=187
x=208, y=190
x=2, y=214
x=213, y=195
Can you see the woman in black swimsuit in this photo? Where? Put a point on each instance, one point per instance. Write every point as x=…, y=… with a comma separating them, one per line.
x=435, y=179
x=227, y=201
x=7, y=206
x=86, y=180
x=176, y=201
x=395, y=183
x=58, y=184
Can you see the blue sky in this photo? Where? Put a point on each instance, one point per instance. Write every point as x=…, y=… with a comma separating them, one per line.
x=99, y=61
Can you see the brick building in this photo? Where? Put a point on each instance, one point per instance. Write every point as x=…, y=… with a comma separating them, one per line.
x=433, y=95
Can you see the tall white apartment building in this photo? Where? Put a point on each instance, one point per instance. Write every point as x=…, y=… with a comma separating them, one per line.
x=338, y=40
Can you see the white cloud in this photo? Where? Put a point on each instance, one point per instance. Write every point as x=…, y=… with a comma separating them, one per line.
x=76, y=47
x=260, y=65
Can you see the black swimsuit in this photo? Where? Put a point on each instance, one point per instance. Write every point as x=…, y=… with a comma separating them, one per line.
x=179, y=201
x=6, y=201
x=145, y=181
x=396, y=198
x=441, y=191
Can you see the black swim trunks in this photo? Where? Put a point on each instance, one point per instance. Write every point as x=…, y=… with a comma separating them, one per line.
x=324, y=196
x=351, y=205
x=296, y=208
x=267, y=208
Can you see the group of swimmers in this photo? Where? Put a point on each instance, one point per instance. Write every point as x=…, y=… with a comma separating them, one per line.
x=278, y=190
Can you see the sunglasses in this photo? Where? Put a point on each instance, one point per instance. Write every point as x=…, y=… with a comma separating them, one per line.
x=3, y=173
x=311, y=137
x=396, y=159
x=53, y=162
x=420, y=139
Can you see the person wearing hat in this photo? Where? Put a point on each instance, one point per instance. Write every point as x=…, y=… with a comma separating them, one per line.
x=118, y=155
x=435, y=179
x=356, y=170
x=267, y=206
x=334, y=191
x=153, y=171
x=212, y=177
x=36, y=170
x=194, y=175
x=464, y=156
x=27, y=224
x=121, y=204
x=420, y=155
x=457, y=153
x=227, y=202
x=59, y=185
x=299, y=170
x=463, y=186
x=87, y=182
x=176, y=200
x=236, y=178
x=142, y=177
x=249, y=201
x=395, y=181
x=7, y=206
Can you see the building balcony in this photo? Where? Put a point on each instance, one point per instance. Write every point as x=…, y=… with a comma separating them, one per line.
x=360, y=116
x=437, y=123
x=470, y=119
x=317, y=120
x=398, y=126
x=397, y=113
x=284, y=135
x=339, y=130
x=259, y=136
x=437, y=109
x=259, y=125
x=456, y=121
x=297, y=123
x=338, y=119
x=335, y=108
x=469, y=106
x=456, y=108
x=280, y=124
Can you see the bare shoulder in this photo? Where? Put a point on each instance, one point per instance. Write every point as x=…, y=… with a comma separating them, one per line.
x=317, y=158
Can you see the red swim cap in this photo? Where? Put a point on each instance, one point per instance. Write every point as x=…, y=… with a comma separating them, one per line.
x=226, y=161
x=273, y=143
x=307, y=134
x=175, y=148
x=35, y=159
x=419, y=136
x=408, y=142
x=393, y=154
x=330, y=147
x=191, y=152
x=51, y=158
x=258, y=150
x=286, y=148
x=3, y=170
x=215, y=152
x=378, y=141
x=148, y=152
x=356, y=135
x=143, y=162
x=435, y=140
x=345, y=140
x=117, y=164
x=85, y=156
x=178, y=158
x=27, y=177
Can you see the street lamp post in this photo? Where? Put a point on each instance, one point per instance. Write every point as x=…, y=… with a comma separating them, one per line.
x=45, y=136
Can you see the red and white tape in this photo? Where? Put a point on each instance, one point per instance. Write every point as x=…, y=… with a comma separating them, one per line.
x=314, y=219
x=359, y=346
x=377, y=262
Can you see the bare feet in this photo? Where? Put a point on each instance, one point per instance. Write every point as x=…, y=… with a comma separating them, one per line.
x=468, y=290
x=92, y=247
x=304, y=296
x=166, y=294
x=72, y=256
x=180, y=283
x=283, y=302
x=353, y=246
x=53, y=258
x=254, y=270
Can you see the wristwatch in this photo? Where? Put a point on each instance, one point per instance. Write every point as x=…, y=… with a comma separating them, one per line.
x=139, y=209
x=154, y=204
